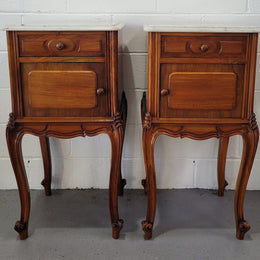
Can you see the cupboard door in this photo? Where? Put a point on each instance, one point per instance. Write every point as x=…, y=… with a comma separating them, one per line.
x=64, y=89
x=201, y=90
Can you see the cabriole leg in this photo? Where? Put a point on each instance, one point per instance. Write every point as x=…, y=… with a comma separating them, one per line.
x=116, y=139
x=250, y=141
x=14, y=139
x=150, y=182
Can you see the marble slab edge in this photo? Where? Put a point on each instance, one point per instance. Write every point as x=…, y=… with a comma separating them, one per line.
x=220, y=29
x=101, y=27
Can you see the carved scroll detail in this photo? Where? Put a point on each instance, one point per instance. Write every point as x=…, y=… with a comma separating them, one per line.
x=84, y=132
x=147, y=228
x=11, y=121
x=117, y=225
x=243, y=228
x=147, y=121
x=19, y=226
x=252, y=121
x=117, y=120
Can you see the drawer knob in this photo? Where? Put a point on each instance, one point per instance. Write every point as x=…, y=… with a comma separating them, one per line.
x=164, y=92
x=60, y=46
x=204, y=47
x=100, y=91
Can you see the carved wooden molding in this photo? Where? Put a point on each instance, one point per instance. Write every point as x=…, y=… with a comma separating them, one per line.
x=117, y=120
x=117, y=225
x=147, y=228
x=11, y=121
x=20, y=226
x=147, y=121
x=243, y=228
x=252, y=122
x=193, y=133
x=78, y=129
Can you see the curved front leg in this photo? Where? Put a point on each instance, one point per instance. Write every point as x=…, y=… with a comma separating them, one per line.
x=150, y=182
x=46, y=157
x=250, y=141
x=14, y=139
x=116, y=138
x=222, y=156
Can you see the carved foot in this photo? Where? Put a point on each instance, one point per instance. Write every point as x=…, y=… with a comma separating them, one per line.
x=221, y=191
x=144, y=185
x=121, y=186
x=148, y=229
x=22, y=229
x=243, y=227
x=46, y=186
x=116, y=227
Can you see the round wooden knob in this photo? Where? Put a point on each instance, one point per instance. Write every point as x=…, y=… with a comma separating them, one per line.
x=60, y=46
x=164, y=92
x=204, y=47
x=100, y=91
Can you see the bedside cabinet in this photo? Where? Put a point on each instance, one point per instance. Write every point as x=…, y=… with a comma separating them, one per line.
x=201, y=85
x=64, y=83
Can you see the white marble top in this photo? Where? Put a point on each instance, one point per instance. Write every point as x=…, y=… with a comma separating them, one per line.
x=94, y=27
x=203, y=28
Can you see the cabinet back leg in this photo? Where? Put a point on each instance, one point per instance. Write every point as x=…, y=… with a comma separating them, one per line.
x=116, y=138
x=46, y=156
x=222, y=156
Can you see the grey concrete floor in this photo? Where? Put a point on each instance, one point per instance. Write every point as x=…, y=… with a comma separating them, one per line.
x=74, y=224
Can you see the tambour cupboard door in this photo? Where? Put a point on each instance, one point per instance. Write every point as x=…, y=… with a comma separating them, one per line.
x=64, y=89
x=201, y=90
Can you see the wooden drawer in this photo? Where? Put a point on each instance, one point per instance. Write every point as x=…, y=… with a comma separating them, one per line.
x=90, y=44
x=206, y=46
x=201, y=90
x=64, y=90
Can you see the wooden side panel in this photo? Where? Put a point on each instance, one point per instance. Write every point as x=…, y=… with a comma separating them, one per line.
x=14, y=73
x=202, y=90
x=153, y=68
x=62, y=89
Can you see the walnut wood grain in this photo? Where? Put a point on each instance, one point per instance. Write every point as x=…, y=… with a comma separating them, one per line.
x=64, y=85
x=202, y=90
x=200, y=86
x=62, y=89
x=14, y=141
x=208, y=46
x=250, y=142
x=33, y=44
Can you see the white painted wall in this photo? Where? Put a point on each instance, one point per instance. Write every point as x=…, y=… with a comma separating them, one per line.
x=85, y=163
